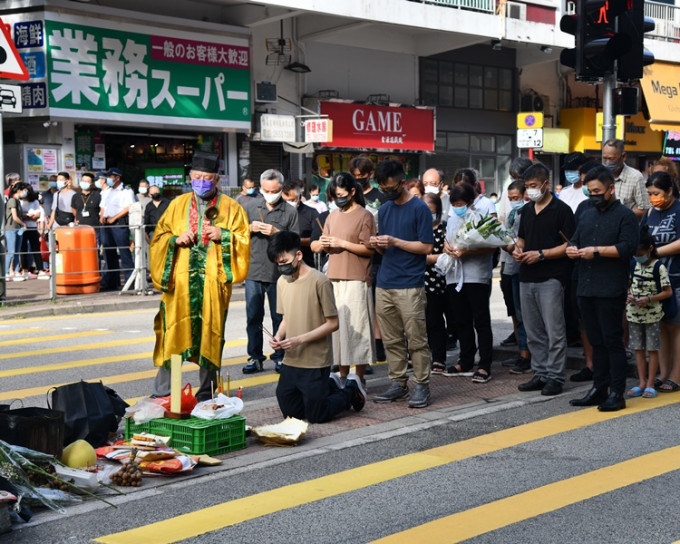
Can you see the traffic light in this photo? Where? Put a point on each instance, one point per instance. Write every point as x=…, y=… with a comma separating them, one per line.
x=634, y=24
x=597, y=43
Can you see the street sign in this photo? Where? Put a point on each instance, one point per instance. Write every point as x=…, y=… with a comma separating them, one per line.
x=10, y=99
x=11, y=65
x=530, y=119
x=529, y=138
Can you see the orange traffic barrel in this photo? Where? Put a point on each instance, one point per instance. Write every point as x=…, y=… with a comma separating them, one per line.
x=77, y=260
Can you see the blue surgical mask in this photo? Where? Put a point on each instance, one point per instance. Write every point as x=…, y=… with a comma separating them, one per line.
x=53, y=184
x=572, y=176
x=585, y=190
x=434, y=217
x=98, y=184
x=516, y=205
x=250, y=191
x=315, y=198
x=85, y=186
x=61, y=184
x=143, y=190
x=109, y=182
x=460, y=211
x=642, y=259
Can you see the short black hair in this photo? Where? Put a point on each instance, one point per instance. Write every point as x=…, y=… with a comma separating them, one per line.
x=291, y=185
x=517, y=185
x=463, y=192
x=518, y=166
x=538, y=172
x=647, y=241
x=434, y=199
x=64, y=174
x=389, y=169
x=91, y=176
x=361, y=163
x=601, y=174
x=466, y=175
x=284, y=241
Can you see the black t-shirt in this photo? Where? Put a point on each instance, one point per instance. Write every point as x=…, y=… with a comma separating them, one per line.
x=542, y=231
x=87, y=208
x=153, y=213
x=306, y=219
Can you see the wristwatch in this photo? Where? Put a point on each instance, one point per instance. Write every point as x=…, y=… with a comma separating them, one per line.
x=596, y=254
x=541, y=257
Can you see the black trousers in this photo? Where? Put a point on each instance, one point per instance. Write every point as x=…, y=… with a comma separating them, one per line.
x=436, y=328
x=508, y=297
x=304, y=393
x=471, y=313
x=603, y=321
x=30, y=245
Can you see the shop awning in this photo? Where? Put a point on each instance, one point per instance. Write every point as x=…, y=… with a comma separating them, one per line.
x=661, y=86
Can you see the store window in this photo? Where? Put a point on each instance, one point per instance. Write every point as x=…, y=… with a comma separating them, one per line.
x=488, y=154
x=460, y=85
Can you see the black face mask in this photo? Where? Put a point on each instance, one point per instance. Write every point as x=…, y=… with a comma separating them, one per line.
x=342, y=201
x=364, y=182
x=156, y=196
x=288, y=269
x=599, y=201
x=393, y=194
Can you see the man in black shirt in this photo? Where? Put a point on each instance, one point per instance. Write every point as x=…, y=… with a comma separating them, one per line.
x=306, y=218
x=86, y=203
x=540, y=250
x=154, y=210
x=605, y=241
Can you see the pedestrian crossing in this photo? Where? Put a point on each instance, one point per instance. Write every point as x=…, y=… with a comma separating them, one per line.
x=456, y=527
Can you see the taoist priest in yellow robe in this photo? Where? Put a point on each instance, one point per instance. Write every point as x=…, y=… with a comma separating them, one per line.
x=200, y=247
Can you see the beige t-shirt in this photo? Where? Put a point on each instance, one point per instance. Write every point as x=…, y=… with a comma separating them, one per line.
x=305, y=304
x=356, y=226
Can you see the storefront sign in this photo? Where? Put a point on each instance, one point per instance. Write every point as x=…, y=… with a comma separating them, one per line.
x=380, y=127
x=662, y=94
x=104, y=70
x=318, y=130
x=277, y=128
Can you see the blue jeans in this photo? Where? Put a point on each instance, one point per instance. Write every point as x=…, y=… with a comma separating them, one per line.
x=13, y=241
x=255, y=293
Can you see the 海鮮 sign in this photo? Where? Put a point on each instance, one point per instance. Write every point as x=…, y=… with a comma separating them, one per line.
x=134, y=73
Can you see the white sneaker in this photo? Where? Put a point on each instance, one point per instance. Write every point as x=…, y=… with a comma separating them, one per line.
x=19, y=277
x=42, y=275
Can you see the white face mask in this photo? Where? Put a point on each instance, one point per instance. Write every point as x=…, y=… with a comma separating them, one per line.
x=272, y=198
x=292, y=203
x=431, y=189
x=535, y=194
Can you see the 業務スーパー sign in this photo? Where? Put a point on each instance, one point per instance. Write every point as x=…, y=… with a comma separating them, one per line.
x=380, y=127
x=110, y=71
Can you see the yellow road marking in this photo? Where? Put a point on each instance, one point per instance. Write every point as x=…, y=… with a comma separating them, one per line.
x=142, y=375
x=21, y=331
x=548, y=498
x=65, y=336
x=93, y=314
x=247, y=508
x=75, y=316
x=78, y=347
x=93, y=362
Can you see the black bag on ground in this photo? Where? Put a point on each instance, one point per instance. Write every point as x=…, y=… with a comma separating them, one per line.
x=91, y=411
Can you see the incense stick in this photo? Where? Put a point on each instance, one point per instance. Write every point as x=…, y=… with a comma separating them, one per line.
x=261, y=216
x=267, y=332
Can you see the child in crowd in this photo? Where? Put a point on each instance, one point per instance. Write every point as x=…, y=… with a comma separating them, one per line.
x=649, y=285
x=304, y=297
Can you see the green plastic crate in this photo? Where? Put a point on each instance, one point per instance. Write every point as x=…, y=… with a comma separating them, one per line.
x=200, y=436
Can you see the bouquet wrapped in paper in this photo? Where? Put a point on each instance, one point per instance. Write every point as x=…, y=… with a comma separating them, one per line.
x=481, y=232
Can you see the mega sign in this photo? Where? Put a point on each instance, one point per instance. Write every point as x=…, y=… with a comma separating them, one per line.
x=380, y=127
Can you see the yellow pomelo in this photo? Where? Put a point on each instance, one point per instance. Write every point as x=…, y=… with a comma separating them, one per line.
x=79, y=454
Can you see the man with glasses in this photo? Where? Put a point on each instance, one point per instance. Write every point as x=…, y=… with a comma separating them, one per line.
x=405, y=239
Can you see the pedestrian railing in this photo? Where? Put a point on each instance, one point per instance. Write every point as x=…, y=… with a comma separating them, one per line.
x=666, y=20
x=77, y=270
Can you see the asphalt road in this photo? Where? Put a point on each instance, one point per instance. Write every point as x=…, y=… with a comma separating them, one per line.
x=520, y=469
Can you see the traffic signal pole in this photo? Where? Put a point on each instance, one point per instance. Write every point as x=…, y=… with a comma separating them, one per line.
x=608, y=118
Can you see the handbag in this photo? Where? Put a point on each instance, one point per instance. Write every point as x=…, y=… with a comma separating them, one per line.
x=188, y=400
x=91, y=411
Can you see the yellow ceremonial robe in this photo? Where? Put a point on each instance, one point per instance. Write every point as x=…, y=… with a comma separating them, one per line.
x=196, y=282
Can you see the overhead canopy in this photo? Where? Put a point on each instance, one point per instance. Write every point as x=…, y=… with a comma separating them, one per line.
x=661, y=85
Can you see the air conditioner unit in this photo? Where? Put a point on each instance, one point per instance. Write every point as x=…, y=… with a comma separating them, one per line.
x=516, y=10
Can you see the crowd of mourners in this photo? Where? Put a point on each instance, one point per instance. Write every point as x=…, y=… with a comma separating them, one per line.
x=101, y=200
x=591, y=266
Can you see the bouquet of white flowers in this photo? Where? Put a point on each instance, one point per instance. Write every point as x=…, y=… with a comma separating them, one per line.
x=482, y=232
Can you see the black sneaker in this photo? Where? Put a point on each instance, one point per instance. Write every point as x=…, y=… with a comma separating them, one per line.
x=368, y=370
x=584, y=375
x=522, y=367
x=510, y=340
x=354, y=385
x=253, y=366
x=380, y=354
x=513, y=361
x=396, y=392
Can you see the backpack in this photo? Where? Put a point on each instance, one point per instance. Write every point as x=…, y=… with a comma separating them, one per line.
x=669, y=305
